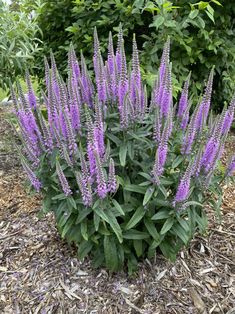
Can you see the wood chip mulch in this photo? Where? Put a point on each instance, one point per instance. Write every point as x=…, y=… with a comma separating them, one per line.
x=39, y=273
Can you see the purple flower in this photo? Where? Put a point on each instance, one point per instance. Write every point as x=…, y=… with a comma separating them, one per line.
x=100, y=178
x=209, y=154
x=119, y=48
x=204, y=107
x=63, y=181
x=184, y=186
x=183, y=102
x=157, y=127
x=112, y=182
x=85, y=189
x=99, y=140
x=166, y=98
x=32, y=177
x=231, y=167
x=91, y=158
x=73, y=64
x=31, y=96
x=164, y=60
x=160, y=160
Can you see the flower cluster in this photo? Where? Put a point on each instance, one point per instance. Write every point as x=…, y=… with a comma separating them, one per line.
x=75, y=121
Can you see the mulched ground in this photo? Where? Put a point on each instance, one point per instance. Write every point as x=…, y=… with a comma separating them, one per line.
x=39, y=273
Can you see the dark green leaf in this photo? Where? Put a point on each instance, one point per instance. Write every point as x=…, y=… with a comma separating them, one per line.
x=152, y=229
x=138, y=215
x=148, y=195
x=118, y=207
x=162, y=214
x=135, y=188
x=167, y=225
x=122, y=155
x=138, y=246
x=133, y=234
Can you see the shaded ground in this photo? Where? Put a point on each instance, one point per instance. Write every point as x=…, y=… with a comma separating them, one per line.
x=41, y=274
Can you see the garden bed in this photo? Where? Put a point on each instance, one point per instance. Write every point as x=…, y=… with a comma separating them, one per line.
x=41, y=274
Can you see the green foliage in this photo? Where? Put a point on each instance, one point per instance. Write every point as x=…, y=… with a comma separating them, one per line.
x=201, y=35
x=17, y=44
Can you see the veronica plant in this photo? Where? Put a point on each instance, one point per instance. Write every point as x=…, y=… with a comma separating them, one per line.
x=125, y=176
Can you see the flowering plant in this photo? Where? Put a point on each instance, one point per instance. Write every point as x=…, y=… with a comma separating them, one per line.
x=122, y=175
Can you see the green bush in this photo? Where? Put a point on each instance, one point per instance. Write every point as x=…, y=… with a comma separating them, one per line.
x=124, y=176
x=201, y=35
x=17, y=44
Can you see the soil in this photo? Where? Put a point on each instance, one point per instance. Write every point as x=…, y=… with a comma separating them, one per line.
x=39, y=273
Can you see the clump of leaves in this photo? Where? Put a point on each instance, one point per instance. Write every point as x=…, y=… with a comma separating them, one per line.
x=18, y=43
x=125, y=176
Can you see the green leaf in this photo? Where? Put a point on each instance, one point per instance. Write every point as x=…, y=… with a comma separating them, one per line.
x=109, y=217
x=162, y=214
x=138, y=215
x=148, y=195
x=96, y=221
x=157, y=22
x=193, y=14
x=167, y=225
x=122, y=155
x=84, y=230
x=84, y=249
x=145, y=175
x=72, y=202
x=194, y=203
x=83, y=214
x=216, y=2
x=201, y=22
x=135, y=188
x=178, y=160
x=210, y=16
x=131, y=152
x=167, y=250
x=152, y=229
x=118, y=207
x=110, y=253
x=65, y=216
x=114, y=139
x=68, y=225
x=138, y=246
x=133, y=234
x=181, y=233
x=163, y=190
x=61, y=196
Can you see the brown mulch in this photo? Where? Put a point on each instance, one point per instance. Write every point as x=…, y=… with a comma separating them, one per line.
x=39, y=273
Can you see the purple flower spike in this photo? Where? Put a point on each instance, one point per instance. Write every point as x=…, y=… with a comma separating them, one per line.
x=85, y=189
x=160, y=161
x=229, y=116
x=164, y=60
x=32, y=177
x=100, y=178
x=183, y=102
x=209, y=154
x=166, y=98
x=112, y=182
x=119, y=48
x=184, y=186
x=91, y=158
x=183, y=190
x=63, y=181
x=31, y=96
x=231, y=167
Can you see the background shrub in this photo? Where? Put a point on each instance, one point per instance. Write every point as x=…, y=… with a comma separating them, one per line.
x=201, y=35
x=18, y=43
